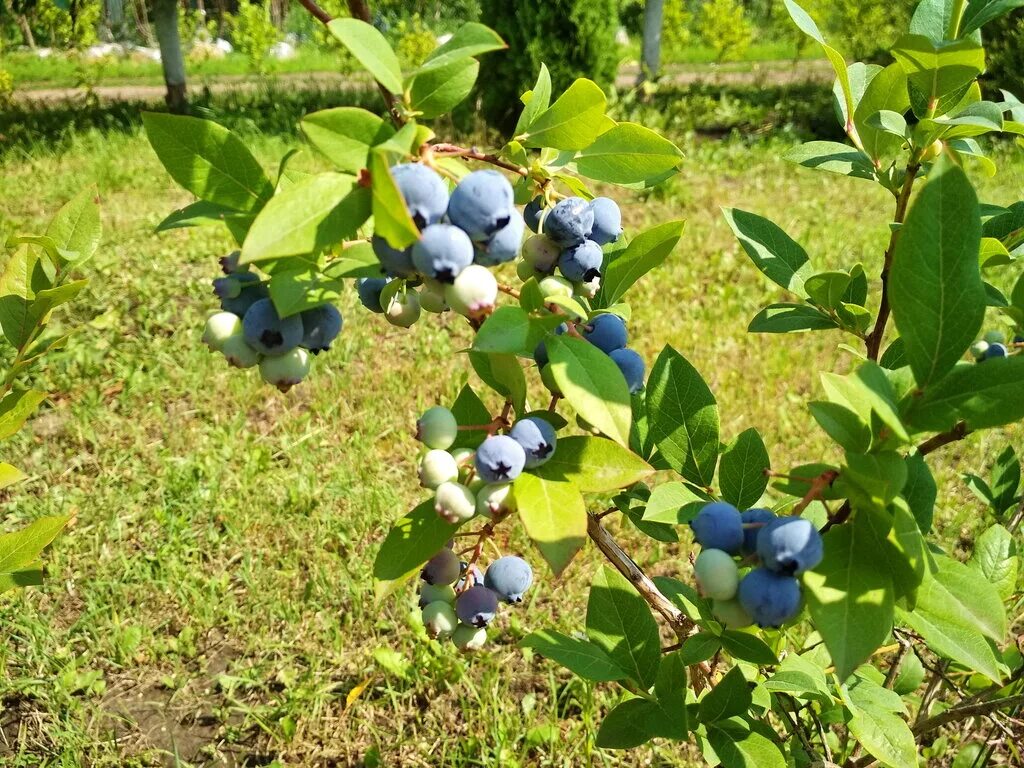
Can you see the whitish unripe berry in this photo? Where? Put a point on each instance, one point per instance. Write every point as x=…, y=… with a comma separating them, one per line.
x=716, y=574
x=495, y=499
x=439, y=620
x=438, y=467
x=219, y=328
x=731, y=614
x=473, y=293
x=403, y=309
x=454, y=502
x=468, y=638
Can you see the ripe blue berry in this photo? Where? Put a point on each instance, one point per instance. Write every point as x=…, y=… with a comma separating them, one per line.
x=789, y=545
x=220, y=327
x=439, y=619
x=582, y=262
x=424, y=192
x=395, y=262
x=268, y=332
x=509, y=577
x=481, y=204
x=287, y=370
x=467, y=638
x=476, y=606
x=569, y=222
x=320, y=326
x=442, y=252
x=718, y=526
x=607, y=221
x=442, y=568
x=533, y=213
x=537, y=437
x=505, y=244
x=606, y=332
x=470, y=575
x=717, y=574
x=996, y=350
x=229, y=263
x=369, y=289
x=500, y=459
x=770, y=598
x=632, y=367
x=437, y=428
x=473, y=293
x=754, y=516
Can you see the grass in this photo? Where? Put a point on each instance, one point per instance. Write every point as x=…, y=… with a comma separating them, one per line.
x=212, y=605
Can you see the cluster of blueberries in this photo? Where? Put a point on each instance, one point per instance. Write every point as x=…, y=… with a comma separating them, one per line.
x=458, y=602
x=608, y=333
x=248, y=330
x=993, y=344
x=467, y=482
x=769, y=594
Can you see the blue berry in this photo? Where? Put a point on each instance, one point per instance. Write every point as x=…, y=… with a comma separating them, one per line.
x=750, y=534
x=607, y=221
x=369, y=289
x=606, y=332
x=320, y=326
x=229, y=263
x=632, y=367
x=718, y=525
x=509, y=577
x=476, y=606
x=569, y=222
x=269, y=333
x=533, y=212
x=582, y=262
x=442, y=568
x=996, y=350
x=394, y=262
x=470, y=575
x=500, y=459
x=537, y=437
x=424, y=192
x=770, y=598
x=789, y=545
x=505, y=244
x=540, y=352
x=442, y=252
x=481, y=204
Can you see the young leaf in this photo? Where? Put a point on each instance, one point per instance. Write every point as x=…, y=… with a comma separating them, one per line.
x=621, y=623
x=646, y=251
x=345, y=135
x=800, y=678
x=886, y=91
x=580, y=657
x=593, y=385
x=938, y=73
x=877, y=725
x=469, y=40
x=683, y=417
x=535, y=101
x=412, y=541
x=438, y=90
x=672, y=503
x=20, y=551
x=809, y=28
x=981, y=12
x=629, y=155
x=76, y=227
x=15, y=408
x=833, y=157
x=995, y=555
x=573, y=122
x=208, y=160
x=741, y=470
x=370, y=49
x=774, y=253
x=9, y=474
x=938, y=324
x=594, y=465
x=555, y=518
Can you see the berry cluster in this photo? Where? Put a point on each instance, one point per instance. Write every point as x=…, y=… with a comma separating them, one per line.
x=767, y=595
x=248, y=330
x=608, y=333
x=458, y=603
x=993, y=344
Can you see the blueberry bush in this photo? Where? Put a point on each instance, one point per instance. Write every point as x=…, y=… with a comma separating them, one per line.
x=825, y=623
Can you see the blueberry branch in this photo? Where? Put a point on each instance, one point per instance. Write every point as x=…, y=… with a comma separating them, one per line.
x=472, y=153
x=958, y=432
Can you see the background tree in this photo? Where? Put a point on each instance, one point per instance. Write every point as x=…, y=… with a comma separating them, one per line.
x=653, y=16
x=165, y=18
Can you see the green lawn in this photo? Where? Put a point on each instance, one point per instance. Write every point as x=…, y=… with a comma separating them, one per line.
x=212, y=604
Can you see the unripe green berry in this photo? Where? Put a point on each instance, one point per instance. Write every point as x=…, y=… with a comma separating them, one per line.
x=717, y=574
x=548, y=379
x=436, y=593
x=995, y=337
x=403, y=309
x=524, y=272
x=495, y=499
x=437, y=428
x=555, y=286
x=731, y=614
x=287, y=370
x=467, y=638
x=238, y=353
x=432, y=297
x=454, y=502
x=219, y=328
x=439, y=619
x=438, y=467
x=541, y=253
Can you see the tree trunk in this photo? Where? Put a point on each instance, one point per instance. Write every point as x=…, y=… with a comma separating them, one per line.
x=26, y=30
x=165, y=18
x=651, y=63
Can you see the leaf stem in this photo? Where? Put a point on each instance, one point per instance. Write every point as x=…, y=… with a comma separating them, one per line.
x=472, y=153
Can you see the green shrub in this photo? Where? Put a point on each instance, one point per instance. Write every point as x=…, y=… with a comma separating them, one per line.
x=723, y=26
x=1005, y=44
x=574, y=38
x=676, y=26
x=6, y=89
x=866, y=29
x=255, y=34
x=415, y=41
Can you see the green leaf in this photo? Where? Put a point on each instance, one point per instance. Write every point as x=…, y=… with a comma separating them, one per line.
x=412, y=541
x=847, y=428
x=469, y=40
x=509, y=330
x=938, y=73
x=621, y=623
x=800, y=678
x=876, y=724
x=357, y=259
x=202, y=213
x=981, y=12
x=682, y=415
x=886, y=92
x=685, y=598
x=534, y=101
x=555, y=518
x=1005, y=480
x=937, y=249
x=593, y=385
x=20, y=551
x=985, y=395
x=626, y=726
x=700, y=647
x=580, y=657
x=809, y=28
x=208, y=160
x=391, y=219
x=743, y=747
x=646, y=251
x=672, y=503
x=345, y=135
x=76, y=227
x=594, y=465
x=629, y=154
x=995, y=556
x=920, y=491
x=747, y=647
x=850, y=600
x=730, y=697
x=833, y=157
x=790, y=318
x=874, y=478
x=741, y=471
x=9, y=474
x=774, y=253
x=297, y=290
x=438, y=90
x=370, y=49
x=574, y=121
x=15, y=408
x=307, y=218
x=469, y=409
x=503, y=374
x=24, y=275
